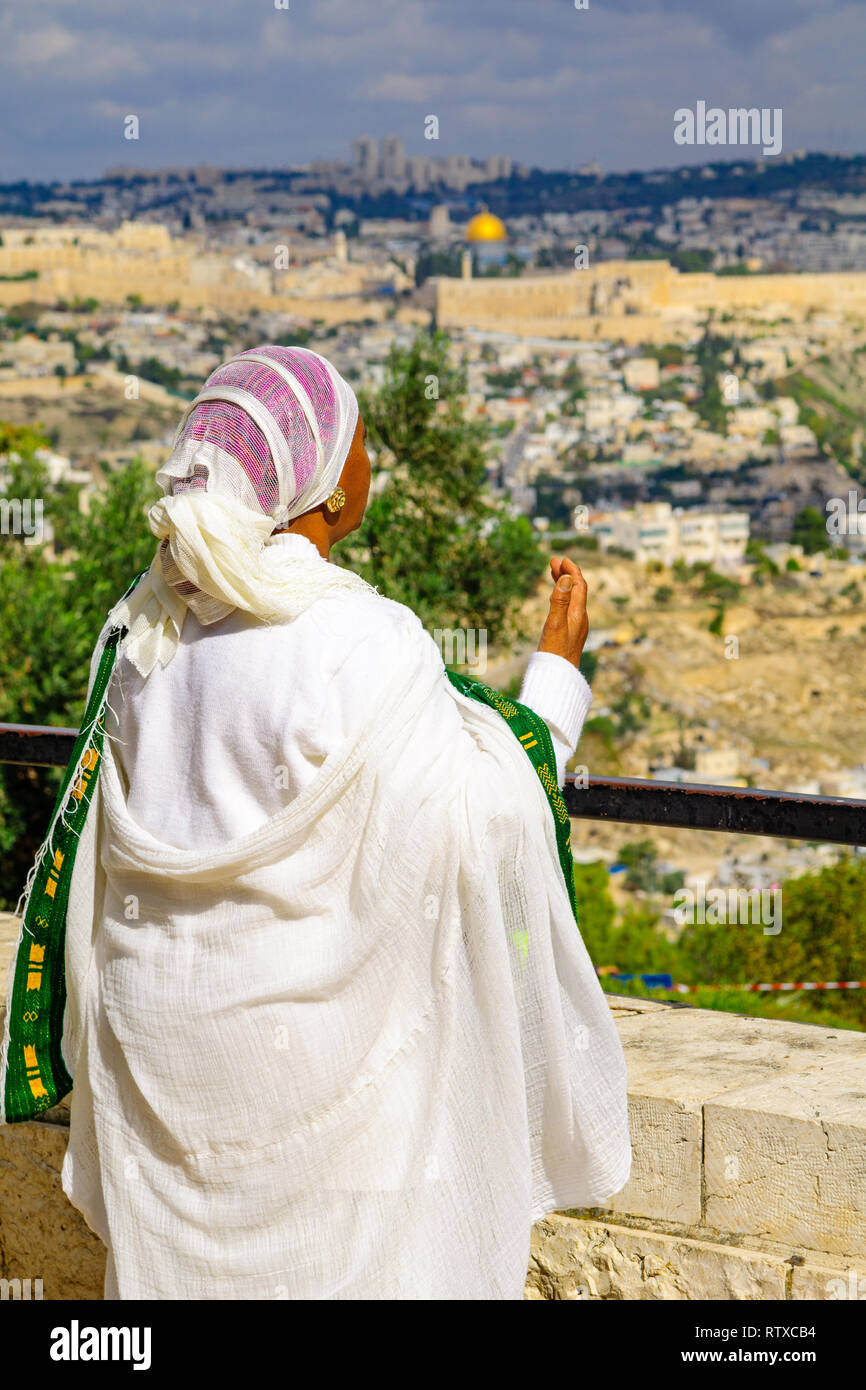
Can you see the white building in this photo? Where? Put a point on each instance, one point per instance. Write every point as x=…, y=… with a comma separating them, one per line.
x=365, y=155
x=393, y=158
x=604, y=409
x=439, y=227
x=641, y=373
x=657, y=531
x=752, y=420
x=31, y=356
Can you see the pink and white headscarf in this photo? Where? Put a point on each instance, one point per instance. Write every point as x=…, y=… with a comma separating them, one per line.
x=262, y=443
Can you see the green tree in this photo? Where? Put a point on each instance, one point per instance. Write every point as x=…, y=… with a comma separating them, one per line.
x=588, y=666
x=595, y=909
x=439, y=262
x=821, y=939
x=756, y=553
x=432, y=537
x=710, y=355
x=696, y=260
x=639, y=857
x=152, y=369
x=634, y=945
x=810, y=531
x=721, y=586
x=51, y=614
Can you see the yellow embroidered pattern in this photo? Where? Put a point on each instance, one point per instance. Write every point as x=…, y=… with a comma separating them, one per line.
x=54, y=874
x=550, y=786
x=31, y=1066
x=37, y=958
x=505, y=707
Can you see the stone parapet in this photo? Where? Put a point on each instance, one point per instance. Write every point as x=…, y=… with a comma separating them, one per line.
x=749, y=1173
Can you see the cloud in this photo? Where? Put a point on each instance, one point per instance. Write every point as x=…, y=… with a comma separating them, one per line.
x=64, y=54
x=742, y=22
x=236, y=81
x=43, y=45
x=399, y=86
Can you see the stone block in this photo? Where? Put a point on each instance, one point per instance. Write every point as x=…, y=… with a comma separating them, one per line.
x=681, y=1061
x=41, y=1235
x=573, y=1258
x=786, y=1159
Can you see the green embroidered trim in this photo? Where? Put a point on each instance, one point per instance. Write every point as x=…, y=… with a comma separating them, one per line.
x=534, y=735
x=34, y=1072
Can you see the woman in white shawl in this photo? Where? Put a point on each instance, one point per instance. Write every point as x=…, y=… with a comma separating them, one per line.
x=333, y=1030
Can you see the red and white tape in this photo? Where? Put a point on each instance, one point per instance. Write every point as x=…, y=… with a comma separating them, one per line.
x=798, y=984
x=662, y=980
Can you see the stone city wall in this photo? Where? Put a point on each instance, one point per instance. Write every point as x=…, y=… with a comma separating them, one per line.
x=636, y=301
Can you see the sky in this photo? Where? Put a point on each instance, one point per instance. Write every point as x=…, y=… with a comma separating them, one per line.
x=240, y=83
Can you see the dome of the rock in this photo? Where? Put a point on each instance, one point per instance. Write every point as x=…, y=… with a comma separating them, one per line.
x=486, y=226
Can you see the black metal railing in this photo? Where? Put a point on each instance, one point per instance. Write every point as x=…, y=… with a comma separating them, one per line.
x=688, y=806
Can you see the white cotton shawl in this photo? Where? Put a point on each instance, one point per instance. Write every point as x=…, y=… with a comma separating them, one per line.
x=354, y=1054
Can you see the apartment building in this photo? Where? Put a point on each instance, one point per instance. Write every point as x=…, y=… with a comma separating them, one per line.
x=658, y=531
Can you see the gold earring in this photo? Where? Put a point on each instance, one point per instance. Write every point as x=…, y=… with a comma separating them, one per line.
x=337, y=501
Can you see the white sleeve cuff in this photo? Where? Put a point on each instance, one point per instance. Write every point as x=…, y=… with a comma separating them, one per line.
x=556, y=691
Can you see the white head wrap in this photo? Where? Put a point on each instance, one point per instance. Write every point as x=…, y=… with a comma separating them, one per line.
x=262, y=443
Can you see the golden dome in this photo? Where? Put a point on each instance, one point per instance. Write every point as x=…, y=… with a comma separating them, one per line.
x=485, y=226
